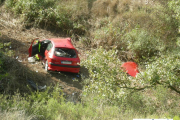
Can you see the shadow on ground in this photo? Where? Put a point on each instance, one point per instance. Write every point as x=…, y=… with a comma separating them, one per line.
x=20, y=72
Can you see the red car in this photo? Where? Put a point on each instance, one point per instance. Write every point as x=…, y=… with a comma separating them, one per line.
x=58, y=54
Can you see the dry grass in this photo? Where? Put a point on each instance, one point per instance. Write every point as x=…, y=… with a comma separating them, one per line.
x=15, y=114
x=112, y=8
x=125, y=11
x=113, y=19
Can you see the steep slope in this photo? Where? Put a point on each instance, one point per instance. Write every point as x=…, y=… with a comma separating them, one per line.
x=20, y=38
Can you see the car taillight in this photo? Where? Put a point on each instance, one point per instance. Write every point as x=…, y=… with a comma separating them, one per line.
x=76, y=63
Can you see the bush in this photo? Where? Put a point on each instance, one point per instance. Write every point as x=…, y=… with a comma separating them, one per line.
x=3, y=73
x=164, y=70
x=174, y=5
x=147, y=94
x=105, y=75
x=142, y=44
x=108, y=36
x=39, y=104
x=110, y=27
x=4, y=49
x=40, y=13
x=50, y=14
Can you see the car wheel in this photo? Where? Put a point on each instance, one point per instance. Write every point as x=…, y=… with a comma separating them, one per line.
x=46, y=66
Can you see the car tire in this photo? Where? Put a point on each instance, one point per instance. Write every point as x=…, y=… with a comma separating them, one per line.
x=46, y=66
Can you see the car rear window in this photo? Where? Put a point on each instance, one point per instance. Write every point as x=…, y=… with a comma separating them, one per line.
x=65, y=52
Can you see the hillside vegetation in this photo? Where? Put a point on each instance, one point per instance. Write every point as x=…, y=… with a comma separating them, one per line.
x=110, y=32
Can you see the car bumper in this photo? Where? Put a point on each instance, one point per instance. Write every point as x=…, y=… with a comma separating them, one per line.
x=64, y=68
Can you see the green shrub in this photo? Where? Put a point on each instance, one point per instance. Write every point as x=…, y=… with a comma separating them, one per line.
x=110, y=27
x=174, y=5
x=53, y=14
x=4, y=50
x=108, y=36
x=106, y=77
x=142, y=44
x=145, y=95
x=164, y=70
x=14, y=114
x=3, y=68
x=39, y=104
x=39, y=13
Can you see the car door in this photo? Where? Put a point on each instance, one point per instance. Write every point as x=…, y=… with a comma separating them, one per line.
x=34, y=48
x=47, y=51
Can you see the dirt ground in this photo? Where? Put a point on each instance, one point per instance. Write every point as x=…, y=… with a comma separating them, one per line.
x=13, y=31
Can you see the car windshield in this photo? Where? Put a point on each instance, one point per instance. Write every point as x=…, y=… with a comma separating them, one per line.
x=65, y=52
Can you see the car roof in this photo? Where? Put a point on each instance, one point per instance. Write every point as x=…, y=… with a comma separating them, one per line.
x=62, y=42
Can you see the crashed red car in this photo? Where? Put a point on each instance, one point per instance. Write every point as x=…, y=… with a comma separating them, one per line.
x=58, y=54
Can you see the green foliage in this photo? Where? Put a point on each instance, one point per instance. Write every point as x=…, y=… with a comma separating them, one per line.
x=174, y=5
x=3, y=67
x=176, y=118
x=143, y=30
x=146, y=94
x=51, y=105
x=47, y=14
x=40, y=104
x=147, y=30
x=106, y=77
x=5, y=49
x=164, y=70
x=108, y=36
x=142, y=44
x=40, y=12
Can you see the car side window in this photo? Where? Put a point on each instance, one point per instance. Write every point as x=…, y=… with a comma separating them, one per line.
x=50, y=45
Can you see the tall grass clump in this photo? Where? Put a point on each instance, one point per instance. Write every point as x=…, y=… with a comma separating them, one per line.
x=38, y=105
x=108, y=36
x=14, y=114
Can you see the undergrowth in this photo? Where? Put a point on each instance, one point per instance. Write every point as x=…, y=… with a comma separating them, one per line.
x=145, y=32
x=50, y=14
x=142, y=95
x=51, y=106
x=141, y=28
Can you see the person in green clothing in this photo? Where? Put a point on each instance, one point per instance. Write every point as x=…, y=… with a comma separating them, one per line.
x=39, y=49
